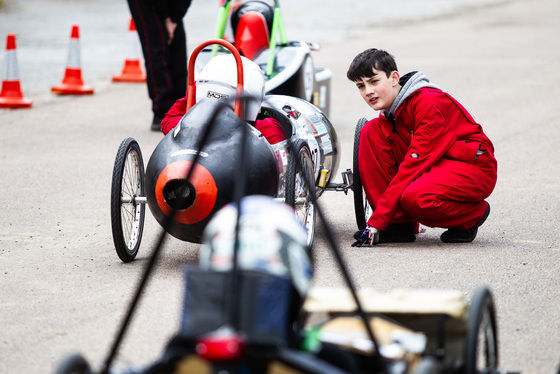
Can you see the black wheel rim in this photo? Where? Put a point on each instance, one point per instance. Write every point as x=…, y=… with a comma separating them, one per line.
x=362, y=209
x=127, y=213
x=297, y=190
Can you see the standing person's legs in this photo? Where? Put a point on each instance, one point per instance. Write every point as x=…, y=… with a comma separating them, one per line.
x=178, y=65
x=153, y=37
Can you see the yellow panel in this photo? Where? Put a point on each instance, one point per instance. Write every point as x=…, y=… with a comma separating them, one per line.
x=193, y=365
x=335, y=300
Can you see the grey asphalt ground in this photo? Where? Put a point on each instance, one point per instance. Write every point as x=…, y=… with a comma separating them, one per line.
x=62, y=287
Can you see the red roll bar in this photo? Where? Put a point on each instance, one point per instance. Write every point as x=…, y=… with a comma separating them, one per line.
x=191, y=87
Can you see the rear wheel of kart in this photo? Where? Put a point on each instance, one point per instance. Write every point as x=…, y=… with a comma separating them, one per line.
x=73, y=364
x=362, y=209
x=297, y=190
x=481, y=351
x=128, y=200
x=308, y=78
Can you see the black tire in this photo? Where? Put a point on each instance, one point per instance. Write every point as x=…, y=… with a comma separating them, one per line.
x=296, y=190
x=481, y=351
x=73, y=364
x=127, y=214
x=362, y=209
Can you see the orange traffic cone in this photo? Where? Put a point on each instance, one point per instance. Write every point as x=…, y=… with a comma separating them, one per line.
x=132, y=72
x=11, y=95
x=72, y=83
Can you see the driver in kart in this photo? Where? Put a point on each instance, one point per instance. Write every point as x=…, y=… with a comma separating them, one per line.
x=220, y=75
x=425, y=159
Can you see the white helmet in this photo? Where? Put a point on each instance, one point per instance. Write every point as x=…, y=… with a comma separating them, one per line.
x=218, y=80
x=271, y=239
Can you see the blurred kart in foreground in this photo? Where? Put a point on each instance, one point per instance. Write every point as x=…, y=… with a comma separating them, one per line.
x=248, y=308
x=271, y=170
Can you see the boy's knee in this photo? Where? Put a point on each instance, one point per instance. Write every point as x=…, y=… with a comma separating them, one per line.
x=416, y=202
x=409, y=199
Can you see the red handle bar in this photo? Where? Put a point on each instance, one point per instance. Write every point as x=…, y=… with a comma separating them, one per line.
x=191, y=87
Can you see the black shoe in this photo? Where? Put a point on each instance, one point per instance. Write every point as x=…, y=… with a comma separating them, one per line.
x=156, y=123
x=454, y=235
x=402, y=232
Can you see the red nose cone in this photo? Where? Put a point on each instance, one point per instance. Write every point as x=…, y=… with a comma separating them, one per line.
x=199, y=193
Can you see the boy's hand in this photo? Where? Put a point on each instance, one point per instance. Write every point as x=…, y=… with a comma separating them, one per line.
x=370, y=236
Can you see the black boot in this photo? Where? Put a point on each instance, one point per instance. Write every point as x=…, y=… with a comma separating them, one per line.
x=402, y=232
x=156, y=123
x=454, y=235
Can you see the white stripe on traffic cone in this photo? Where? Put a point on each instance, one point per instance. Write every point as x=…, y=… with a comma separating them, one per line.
x=72, y=83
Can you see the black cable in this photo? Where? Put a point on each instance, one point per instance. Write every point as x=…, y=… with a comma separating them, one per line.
x=338, y=255
x=151, y=263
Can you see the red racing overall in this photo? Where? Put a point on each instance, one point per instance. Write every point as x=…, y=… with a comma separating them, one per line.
x=433, y=164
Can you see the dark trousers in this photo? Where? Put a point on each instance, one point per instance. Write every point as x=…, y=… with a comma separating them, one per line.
x=166, y=65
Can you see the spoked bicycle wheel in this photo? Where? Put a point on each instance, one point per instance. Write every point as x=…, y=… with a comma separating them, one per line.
x=297, y=192
x=481, y=351
x=128, y=200
x=362, y=209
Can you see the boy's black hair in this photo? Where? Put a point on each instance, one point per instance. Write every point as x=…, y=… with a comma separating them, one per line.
x=363, y=64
